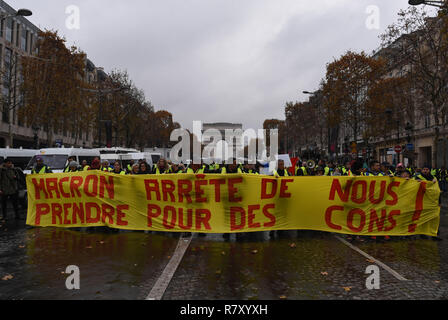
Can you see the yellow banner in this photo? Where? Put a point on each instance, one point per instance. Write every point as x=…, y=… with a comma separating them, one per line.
x=234, y=203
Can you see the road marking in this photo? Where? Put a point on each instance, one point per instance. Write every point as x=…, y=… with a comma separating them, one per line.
x=164, y=280
x=384, y=266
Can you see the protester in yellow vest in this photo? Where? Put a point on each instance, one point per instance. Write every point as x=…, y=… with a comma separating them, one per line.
x=40, y=167
x=281, y=171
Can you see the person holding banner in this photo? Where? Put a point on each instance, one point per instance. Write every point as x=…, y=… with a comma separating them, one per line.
x=425, y=175
x=281, y=171
x=70, y=159
x=40, y=167
x=117, y=169
x=73, y=166
x=105, y=166
x=96, y=165
x=84, y=166
x=161, y=167
x=144, y=168
x=9, y=187
x=374, y=170
x=135, y=169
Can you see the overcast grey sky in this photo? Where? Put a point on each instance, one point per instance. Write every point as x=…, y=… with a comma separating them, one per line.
x=219, y=60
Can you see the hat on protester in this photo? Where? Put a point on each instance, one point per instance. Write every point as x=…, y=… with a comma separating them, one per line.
x=73, y=164
x=39, y=158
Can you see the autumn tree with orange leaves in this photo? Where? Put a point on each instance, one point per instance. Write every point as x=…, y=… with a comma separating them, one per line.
x=345, y=91
x=52, y=82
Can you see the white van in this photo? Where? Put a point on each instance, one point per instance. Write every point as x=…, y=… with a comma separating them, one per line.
x=111, y=158
x=127, y=158
x=116, y=150
x=57, y=158
x=20, y=157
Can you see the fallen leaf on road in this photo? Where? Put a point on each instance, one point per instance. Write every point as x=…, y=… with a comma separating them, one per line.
x=223, y=253
x=7, y=277
x=89, y=247
x=282, y=297
x=292, y=245
x=218, y=272
x=347, y=289
x=437, y=281
x=254, y=251
x=21, y=247
x=324, y=273
x=102, y=242
x=370, y=260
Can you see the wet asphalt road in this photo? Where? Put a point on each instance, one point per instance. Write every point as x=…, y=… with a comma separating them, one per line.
x=291, y=265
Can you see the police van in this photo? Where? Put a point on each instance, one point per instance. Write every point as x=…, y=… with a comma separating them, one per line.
x=57, y=158
x=147, y=157
x=19, y=157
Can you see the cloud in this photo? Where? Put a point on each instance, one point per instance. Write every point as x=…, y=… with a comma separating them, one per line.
x=218, y=60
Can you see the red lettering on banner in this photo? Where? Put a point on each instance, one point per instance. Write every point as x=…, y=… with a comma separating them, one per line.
x=89, y=217
x=168, y=188
x=61, y=187
x=153, y=212
x=67, y=206
x=203, y=218
x=264, y=184
x=152, y=186
x=217, y=183
x=372, y=192
x=284, y=188
x=233, y=191
x=52, y=185
x=41, y=210
x=199, y=191
x=184, y=188
x=121, y=215
x=355, y=189
x=109, y=186
x=269, y=215
x=378, y=221
x=166, y=213
x=75, y=184
x=78, y=211
x=362, y=222
x=189, y=224
x=418, y=207
x=336, y=187
x=392, y=193
x=107, y=212
x=56, y=212
x=391, y=219
x=241, y=213
x=38, y=187
x=328, y=215
x=94, y=180
x=251, y=216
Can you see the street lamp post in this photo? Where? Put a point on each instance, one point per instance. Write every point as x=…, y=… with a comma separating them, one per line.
x=36, y=136
x=409, y=127
x=438, y=4
x=19, y=13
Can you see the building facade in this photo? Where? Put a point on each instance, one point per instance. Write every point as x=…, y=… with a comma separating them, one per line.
x=18, y=37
